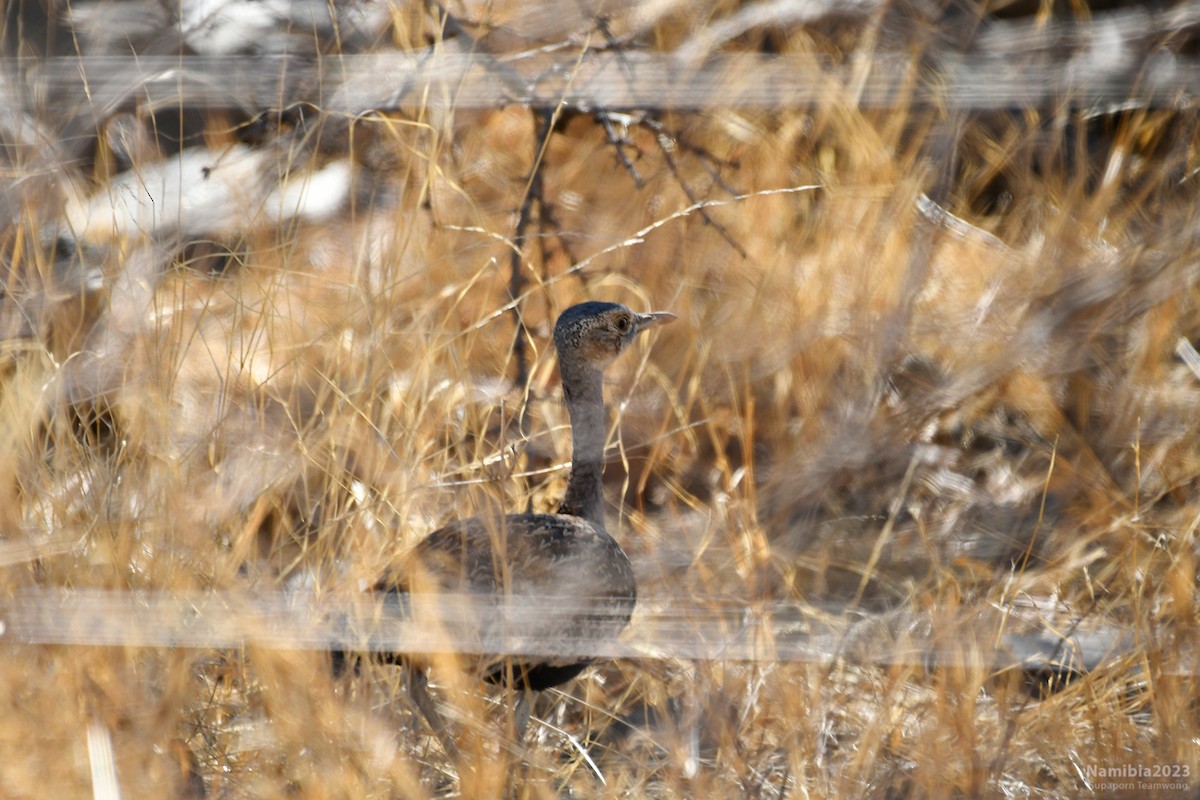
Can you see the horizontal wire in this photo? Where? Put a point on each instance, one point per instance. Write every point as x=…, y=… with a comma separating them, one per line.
x=442, y=78
x=662, y=628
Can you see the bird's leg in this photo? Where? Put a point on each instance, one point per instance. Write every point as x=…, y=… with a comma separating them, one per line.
x=522, y=710
x=417, y=683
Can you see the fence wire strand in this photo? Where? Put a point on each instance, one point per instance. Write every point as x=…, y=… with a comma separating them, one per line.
x=662, y=628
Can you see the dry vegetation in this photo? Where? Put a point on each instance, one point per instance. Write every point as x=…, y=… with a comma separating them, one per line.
x=901, y=451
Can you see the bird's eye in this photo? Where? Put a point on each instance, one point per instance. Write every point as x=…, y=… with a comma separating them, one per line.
x=622, y=324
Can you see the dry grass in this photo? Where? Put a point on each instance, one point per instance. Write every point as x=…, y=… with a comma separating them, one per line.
x=930, y=436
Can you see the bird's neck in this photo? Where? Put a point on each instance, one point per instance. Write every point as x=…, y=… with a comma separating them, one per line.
x=584, y=393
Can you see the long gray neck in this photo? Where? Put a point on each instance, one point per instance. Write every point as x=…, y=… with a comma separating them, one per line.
x=584, y=392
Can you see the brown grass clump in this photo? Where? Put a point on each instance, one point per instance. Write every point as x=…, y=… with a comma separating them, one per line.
x=910, y=487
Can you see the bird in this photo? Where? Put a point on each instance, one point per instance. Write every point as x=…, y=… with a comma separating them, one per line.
x=548, y=580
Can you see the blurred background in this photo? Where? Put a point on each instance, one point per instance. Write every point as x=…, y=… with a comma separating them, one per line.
x=910, y=486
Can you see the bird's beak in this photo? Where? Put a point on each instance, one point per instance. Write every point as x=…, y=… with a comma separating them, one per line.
x=654, y=318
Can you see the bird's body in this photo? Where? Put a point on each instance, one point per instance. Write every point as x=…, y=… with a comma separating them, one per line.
x=549, y=587
x=546, y=585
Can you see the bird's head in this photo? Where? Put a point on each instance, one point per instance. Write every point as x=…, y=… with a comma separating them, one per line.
x=594, y=334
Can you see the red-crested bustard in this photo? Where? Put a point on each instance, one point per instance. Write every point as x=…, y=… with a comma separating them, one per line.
x=567, y=578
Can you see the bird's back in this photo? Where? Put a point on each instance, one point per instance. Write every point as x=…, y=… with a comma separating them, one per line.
x=543, y=588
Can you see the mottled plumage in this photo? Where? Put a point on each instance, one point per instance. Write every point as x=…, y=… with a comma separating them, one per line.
x=567, y=578
x=569, y=581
